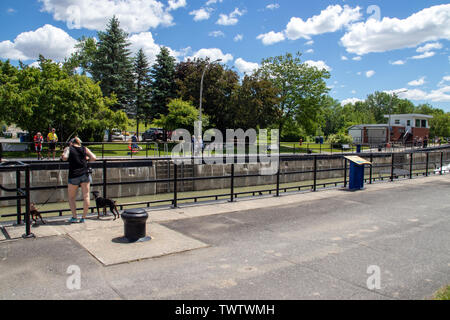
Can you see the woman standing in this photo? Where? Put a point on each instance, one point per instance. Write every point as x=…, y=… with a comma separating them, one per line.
x=78, y=157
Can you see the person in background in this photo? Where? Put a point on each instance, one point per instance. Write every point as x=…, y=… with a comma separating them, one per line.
x=135, y=146
x=78, y=157
x=52, y=139
x=38, y=140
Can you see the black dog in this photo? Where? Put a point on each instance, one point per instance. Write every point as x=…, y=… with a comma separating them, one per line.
x=105, y=203
x=35, y=213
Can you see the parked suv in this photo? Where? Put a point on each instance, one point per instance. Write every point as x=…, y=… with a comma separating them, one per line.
x=153, y=134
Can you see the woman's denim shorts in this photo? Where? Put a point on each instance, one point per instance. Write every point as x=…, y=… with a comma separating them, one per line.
x=79, y=180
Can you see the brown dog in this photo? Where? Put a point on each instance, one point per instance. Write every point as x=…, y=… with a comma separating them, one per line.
x=35, y=213
x=105, y=203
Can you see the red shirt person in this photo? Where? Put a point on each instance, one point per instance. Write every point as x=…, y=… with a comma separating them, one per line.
x=38, y=140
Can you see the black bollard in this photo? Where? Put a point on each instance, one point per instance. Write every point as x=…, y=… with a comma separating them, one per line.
x=135, y=225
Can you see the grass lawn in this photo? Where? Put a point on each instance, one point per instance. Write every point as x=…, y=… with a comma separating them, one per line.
x=442, y=294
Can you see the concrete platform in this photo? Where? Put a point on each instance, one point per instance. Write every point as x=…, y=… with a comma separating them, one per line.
x=106, y=245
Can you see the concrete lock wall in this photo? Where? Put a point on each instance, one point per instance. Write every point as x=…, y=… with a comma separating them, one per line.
x=165, y=170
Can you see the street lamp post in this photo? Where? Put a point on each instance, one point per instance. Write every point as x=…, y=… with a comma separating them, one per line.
x=201, y=87
x=390, y=111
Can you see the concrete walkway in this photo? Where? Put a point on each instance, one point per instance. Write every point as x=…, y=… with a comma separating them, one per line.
x=303, y=246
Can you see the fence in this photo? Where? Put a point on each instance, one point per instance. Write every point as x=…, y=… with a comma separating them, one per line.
x=156, y=149
x=317, y=171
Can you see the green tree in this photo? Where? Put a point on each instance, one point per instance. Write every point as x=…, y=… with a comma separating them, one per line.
x=83, y=57
x=163, y=84
x=113, y=66
x=254, y=103
x=142, y=88
x=37, y=99
x=181, y=115
x=440, y=125
x=220, y=85
x=302, y=89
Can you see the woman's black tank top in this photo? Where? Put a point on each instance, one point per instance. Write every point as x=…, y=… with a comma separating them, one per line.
x=77, y=162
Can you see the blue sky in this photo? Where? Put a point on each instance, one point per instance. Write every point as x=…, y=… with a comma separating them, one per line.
x=367, y=45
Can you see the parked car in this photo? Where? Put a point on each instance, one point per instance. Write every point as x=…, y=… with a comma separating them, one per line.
x=153, y=134
x=117, y=135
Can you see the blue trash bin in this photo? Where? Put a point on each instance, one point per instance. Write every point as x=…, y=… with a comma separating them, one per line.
x=357, y=166
x=356, y=176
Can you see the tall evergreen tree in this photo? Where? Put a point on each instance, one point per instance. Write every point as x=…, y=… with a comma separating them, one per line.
x=163, y=85
x=142, y=88
x=113, y=66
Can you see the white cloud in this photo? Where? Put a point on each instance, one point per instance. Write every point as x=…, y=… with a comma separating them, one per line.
x=357, y=58
x=271, y=38
x=309, y=43
x=424, y=55
x=134, y=15
x=418, y=82
x=351, y=101
x=429, y=47
x=216, y=34
x=212, y=54
x=10, y=11
x=444, y=79
x=430, y=24
x=245, y=67
x=332, y=19
x=318, y=64
x=53, y=43
x=231, y=19
x=370, y=73
x=439, y=95
x=145, y=41
x=210, y=2
x=201, y=14
x=344, y=58
x=398, y=62
x=273, y=6
x=309, y=51
x=238, y=37
x=176, y=4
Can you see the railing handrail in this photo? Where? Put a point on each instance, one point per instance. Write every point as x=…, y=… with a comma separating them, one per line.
x=28, y=166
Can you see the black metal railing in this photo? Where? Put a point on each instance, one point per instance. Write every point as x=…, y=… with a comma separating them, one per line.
x=130, y=150
x=390, y=169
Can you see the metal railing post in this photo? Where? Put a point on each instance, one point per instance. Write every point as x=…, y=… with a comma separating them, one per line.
x=371, y=168
x=315, y=174
x=345, y=173
x=278, y=178
x=428, y=162
x=19, y=202
x=411, y=161
x=105, y=177
x=175, y=185
x=392, y=167
x=442, y=162
x=28, y=233
x=232, y=184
